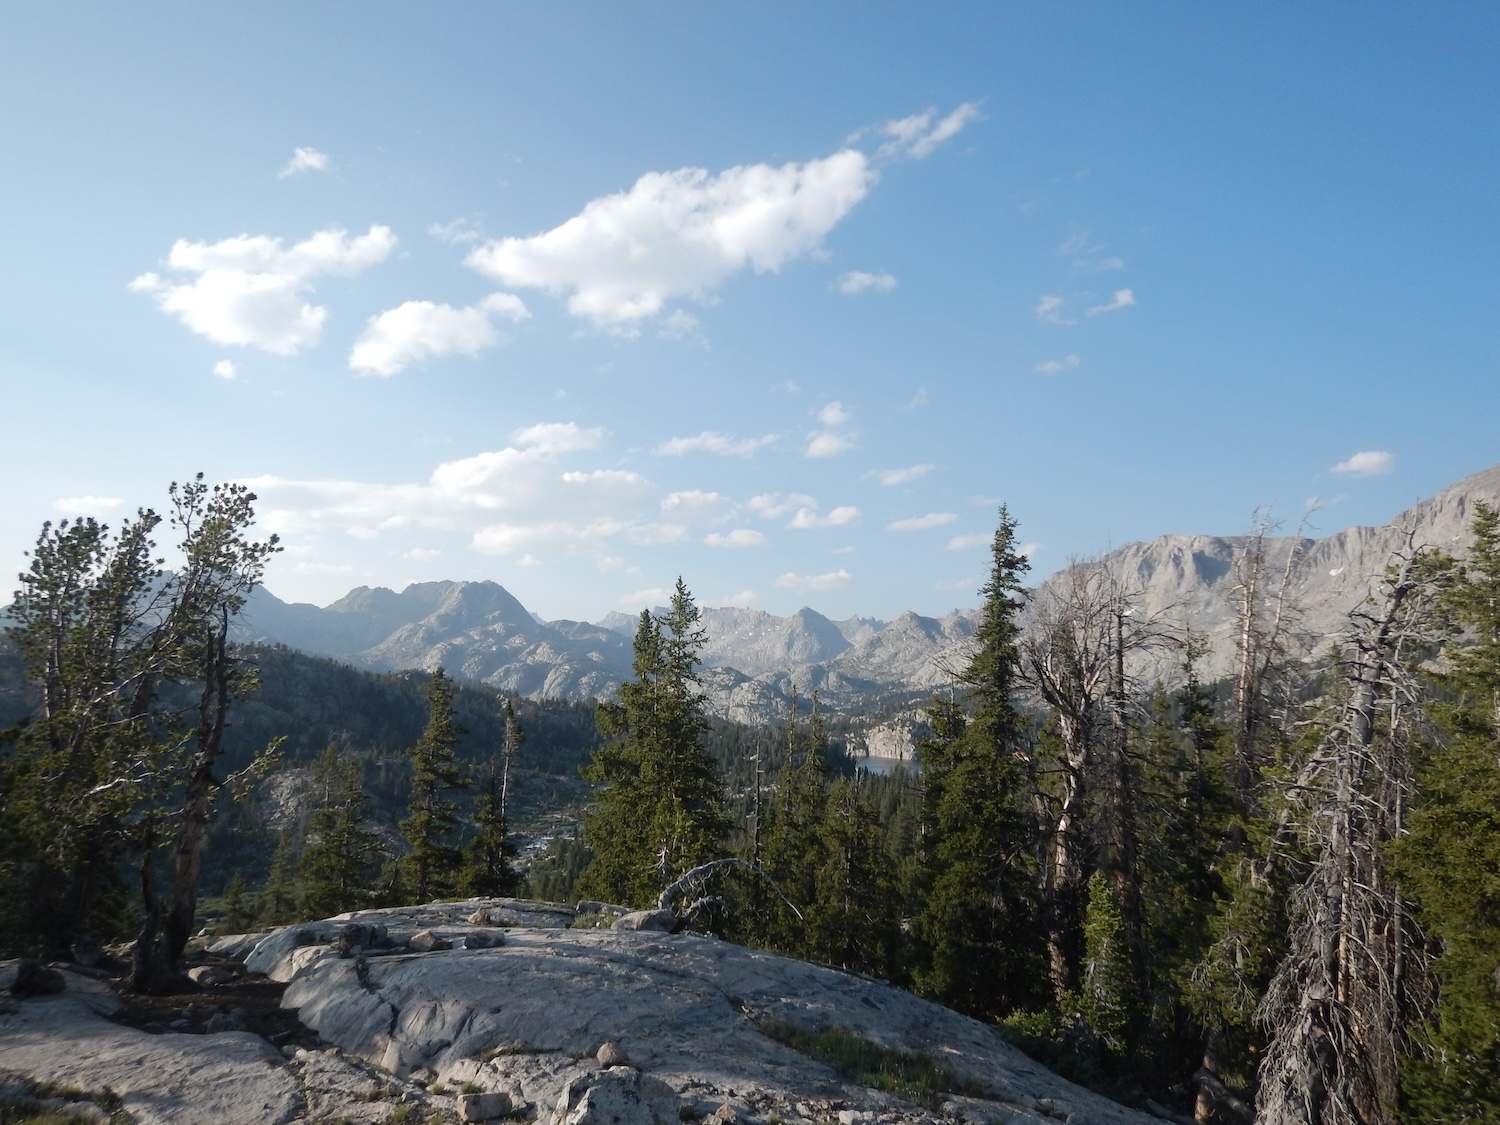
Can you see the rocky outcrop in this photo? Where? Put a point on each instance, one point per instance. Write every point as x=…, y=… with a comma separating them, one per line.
x=688, y=1013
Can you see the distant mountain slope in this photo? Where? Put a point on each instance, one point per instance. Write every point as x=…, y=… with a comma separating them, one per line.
x=479, y=631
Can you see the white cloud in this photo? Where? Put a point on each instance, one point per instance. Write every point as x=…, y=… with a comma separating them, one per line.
x=890, y=478
x=418, y=330
x=456, y=233
x=1367, y=463
x=304, y=160
x=512, y=500
x=651, y=596
x=251, y=291
x=826, y=443
x=917, y=400
x=922, y=523
x=969, y=583
x=774, y=505
x=422, y=554
x=528, y=560
x=967, y=542
x=680, y=234
x=739, y=537
x=558, y=437
x=1055, y=366
x=744, y=597
x=225, y=369
x=679, y=324
x=611, y=562
x=696, y=506
x=919, y=135
x=711, y=441
x=85, y=505
x=833, y=414
x=1027, y=550
x=808, y=582
x=1110, y=264
x=856, y=282
x=1122, y=299
x=808, y=519
x=1050, y=310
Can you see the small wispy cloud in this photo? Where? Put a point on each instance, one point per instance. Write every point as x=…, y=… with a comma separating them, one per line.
x=1122, y=299
x=1109, y=264
x=85, y=505
x=303, y=161
x=857, y=281
x=808, y=519
x=739, y=537
x=422, y=554
x=1366, y=463
x=712, y=441
x=920, y=135
x=890, y=478
x=456, y=233
x=827, y=444
x=922, y=523
x=970, y=583
x=419, y=330
x=774, y=505
x=1049, y=309
x=918, y=400
x=1057, y=366
x=967, y=542
x=743, y=598
x=680, y=325
x=833, y=414
x=810, y=582
x=650, y=596
x=225, y=369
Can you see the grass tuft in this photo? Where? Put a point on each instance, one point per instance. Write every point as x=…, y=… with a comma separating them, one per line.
x=916, y=1078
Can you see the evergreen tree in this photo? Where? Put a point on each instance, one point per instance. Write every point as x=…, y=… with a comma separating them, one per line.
x=853, y=919
x=659, y=805
x=278, y=899
x=434, y=860
x=237, y=910
x=1451, y=856
x=1111, y=1003
x=790, y=847
x=977, y=922
x=489, y=856
x=342, y=857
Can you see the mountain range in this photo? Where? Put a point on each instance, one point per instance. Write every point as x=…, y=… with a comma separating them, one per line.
x=753, y=659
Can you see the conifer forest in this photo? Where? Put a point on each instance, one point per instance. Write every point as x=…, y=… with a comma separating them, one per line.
x=1272, y=895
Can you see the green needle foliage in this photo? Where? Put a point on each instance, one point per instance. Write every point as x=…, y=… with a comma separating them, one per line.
x=340, y=863
x=977, y=922
x=660, y=806
x=434, y=862
x=1451, y=856
x=489, y=856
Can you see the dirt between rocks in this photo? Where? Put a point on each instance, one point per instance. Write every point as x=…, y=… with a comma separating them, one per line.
x=249, y=1002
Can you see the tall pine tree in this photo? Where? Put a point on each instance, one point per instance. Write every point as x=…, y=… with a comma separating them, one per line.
x=433, y=865
x=340, y=863
x=659, y=805
x=977, y=923
x=1451, y=857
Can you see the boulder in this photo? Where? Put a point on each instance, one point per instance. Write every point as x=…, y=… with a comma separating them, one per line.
x=611, y=1054
x=32, y=978
x=620, y=1095
x=425, y=941
x=656, y=921
x=483, y=1107
x=210, y=976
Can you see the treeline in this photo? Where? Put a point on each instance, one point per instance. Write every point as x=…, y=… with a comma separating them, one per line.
x=1277, y=897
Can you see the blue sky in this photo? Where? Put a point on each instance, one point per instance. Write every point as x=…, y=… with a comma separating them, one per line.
x=783, y=298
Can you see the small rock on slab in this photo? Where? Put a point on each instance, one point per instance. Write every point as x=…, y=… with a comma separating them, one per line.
x=483, y=1107
x=612, y=1054
x=425, y=941
x=208, y=976
x=659, y=921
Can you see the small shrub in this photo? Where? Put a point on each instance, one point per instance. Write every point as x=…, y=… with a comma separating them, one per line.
x=401, y=1115
x=469, y=1088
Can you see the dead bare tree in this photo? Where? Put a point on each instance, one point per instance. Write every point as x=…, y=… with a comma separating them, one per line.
x=1350, y=985
x=1265, y=615
x=1074, y=656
